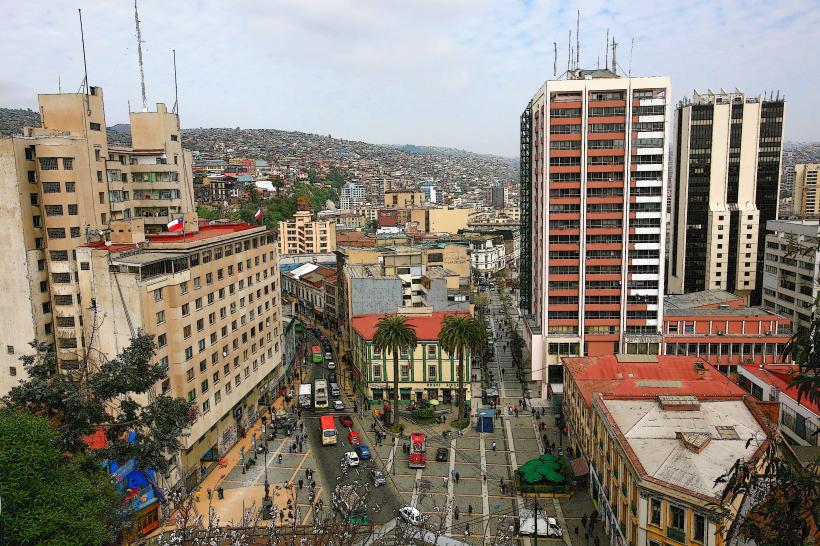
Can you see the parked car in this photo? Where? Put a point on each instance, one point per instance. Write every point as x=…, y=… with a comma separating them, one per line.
x=411, y=515
x=331, y=365
x=331, y=377
x=338, y=406
x=442, y=454
x=354, y=438
x=328, y=355
x=378, y=477
x=363, y=452
x=351, y=459
x=345, y=420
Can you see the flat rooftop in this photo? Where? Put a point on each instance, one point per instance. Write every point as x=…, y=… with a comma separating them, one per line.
x=699, y=299
x=720, y=428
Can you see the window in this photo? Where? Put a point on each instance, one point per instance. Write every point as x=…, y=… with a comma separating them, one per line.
x=677, y=517
x=94, y=126
x=431, y=372
x=56, y=233
x=186, y=331
x=191, y=395
x=217, y=397
x=655, y=511
x=160, y=317
x=10, y=349
x=189, y=353
x=68, y=163
x=166, y=385
x=204, y=386
x=75, y=232
x=197, y=282
x=174, y=138
x=699, y=528
x=53, y=210
x=162, y=340
x=72, y=209
x=48, y=163
x=377, y=372
x=186, y=309
x=189, y=375
x=158, y=294
x=70, y=188
x=183, y=287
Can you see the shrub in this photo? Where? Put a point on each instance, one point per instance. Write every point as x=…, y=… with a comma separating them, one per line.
x=460, y=423
x=423, y=414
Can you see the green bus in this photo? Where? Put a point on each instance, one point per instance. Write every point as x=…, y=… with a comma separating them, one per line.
x=318, y=355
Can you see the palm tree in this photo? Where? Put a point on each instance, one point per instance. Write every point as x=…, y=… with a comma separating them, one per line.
x=394, y=334
x=459, y=334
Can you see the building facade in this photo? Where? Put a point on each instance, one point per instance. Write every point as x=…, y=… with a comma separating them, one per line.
x=806, y=202
x=441, y=220
x=792, y=269
x=403, y=199
x=488, y=254
x=719, y=328
x=303, y=235
x=726, y=175
x=351, y=196
x=211, y=299
x=62, y=185
x=594, y=164
x=425, y=373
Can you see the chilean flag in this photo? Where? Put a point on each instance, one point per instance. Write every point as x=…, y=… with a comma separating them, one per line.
x=258, y=214
x=175, y=225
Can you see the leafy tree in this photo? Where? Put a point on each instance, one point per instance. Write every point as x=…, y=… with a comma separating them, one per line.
x=109, y=395
x=335, y=178
x=780, y=496
x=208, y=213
x=394, y=334
x=459, y=334
x=49, y=498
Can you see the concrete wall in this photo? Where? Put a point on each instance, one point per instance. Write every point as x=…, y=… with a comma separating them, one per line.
x=372, y=296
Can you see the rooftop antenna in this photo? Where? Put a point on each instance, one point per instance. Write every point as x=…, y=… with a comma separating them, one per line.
x=569, y=52
x=631, y=49
x=59, y=84
x=578, y=40
x=555, y=60
x=614, y=55
x=85, y=64
x=176, y=89
x=139, y=54
x=606, y=50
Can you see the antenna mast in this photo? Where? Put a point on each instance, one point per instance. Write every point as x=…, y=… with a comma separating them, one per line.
x=176, y=90
x=614, y=55
x=631, y=49
x=569, y=52
x=85, y=64
x=578, y=40
x=606, y=50
x=555, y=60
x=139, y=53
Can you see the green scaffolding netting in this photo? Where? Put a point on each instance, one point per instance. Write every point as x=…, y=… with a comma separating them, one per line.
x=546, y=468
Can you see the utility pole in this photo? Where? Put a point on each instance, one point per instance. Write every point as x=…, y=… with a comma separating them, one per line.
x=535, y=506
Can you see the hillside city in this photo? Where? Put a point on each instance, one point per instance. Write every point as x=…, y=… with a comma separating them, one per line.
x=232, y=336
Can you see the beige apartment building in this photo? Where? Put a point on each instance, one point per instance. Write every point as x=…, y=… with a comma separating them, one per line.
x=441, y=220
x=61, y=185
x=806, y=202
x=403, y=199
x=303, y=235
x=211, y=299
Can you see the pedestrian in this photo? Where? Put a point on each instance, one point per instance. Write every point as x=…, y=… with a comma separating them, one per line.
x=280, y=458
x=458, y=477
x=455, y=513
x=301, y=427
x=301, y=483
x=444, y=481
x=584, y=520
x=493, y=445
x=597, y=541
x=281, y=516
x=484, y=476
x=502, y=484
x=209, y=493
x=516, y=412
x=576, y=529
x=470, y=509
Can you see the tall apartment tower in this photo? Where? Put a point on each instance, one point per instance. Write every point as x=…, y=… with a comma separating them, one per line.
x=727, y=155
x=593, y=173
x=60, y=186
x=805, y=178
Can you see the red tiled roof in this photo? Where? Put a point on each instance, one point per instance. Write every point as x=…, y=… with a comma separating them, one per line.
x=427, y=326
x=96, y=440
x=605, y=374
x=778, y=376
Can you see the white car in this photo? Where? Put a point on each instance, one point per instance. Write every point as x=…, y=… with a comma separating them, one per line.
x=338, y=406
x=411, y=515
x=351, y=458
x=328, y=355
x=331, y=365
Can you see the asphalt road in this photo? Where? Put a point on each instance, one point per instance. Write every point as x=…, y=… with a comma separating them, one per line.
x=384, y=500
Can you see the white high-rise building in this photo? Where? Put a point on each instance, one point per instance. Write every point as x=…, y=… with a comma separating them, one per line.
x=351, y=196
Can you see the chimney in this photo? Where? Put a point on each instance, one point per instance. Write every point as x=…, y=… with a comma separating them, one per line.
x=693, y=441
x=700, y=369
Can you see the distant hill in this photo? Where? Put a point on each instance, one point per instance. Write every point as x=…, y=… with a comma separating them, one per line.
x=12, y=120
x=120, y=134
x=437, y=150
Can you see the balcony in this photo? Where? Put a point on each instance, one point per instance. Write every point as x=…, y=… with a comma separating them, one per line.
x=678, y=535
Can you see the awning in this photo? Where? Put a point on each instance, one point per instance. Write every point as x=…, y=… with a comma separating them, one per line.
x=579, y=467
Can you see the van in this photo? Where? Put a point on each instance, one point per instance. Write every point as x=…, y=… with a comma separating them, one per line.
x=334, y=389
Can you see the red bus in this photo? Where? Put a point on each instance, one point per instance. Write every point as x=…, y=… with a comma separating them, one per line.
x=418, y=451
x=328, y=428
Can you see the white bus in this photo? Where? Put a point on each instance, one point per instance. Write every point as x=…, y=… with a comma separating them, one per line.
x=321, y=400
x=305, y=395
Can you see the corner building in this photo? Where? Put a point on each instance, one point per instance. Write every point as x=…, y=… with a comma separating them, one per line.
x=211, y=300
x=594, y=164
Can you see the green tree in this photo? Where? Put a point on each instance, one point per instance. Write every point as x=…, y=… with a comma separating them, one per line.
x=208, y=213
x=458, y=335
x=392, y=335
x=109, y=395
x=49, y=498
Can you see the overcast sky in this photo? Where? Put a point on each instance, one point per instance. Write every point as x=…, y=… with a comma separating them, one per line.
x=439, y=72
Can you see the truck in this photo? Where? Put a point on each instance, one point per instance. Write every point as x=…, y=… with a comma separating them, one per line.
x=305, y=396
x=348, y=502
x=328, y=430
x=321, y=400
x=418, y=451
